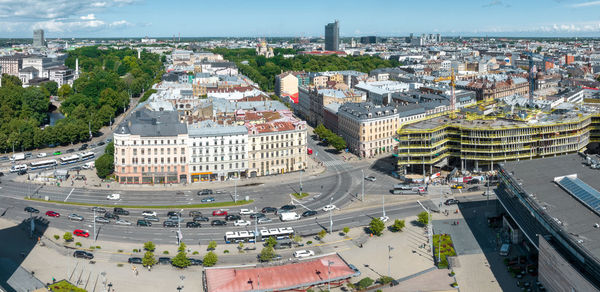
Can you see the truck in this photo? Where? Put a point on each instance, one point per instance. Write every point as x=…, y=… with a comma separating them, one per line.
x=18, y=156
x=89, y=165
x=288, y=216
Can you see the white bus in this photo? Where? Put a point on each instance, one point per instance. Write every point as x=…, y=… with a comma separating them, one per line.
x=239, y=236
x=278, y=233
x=42, y=164
x=69, y=159
x=86, y=156
x=18, y=167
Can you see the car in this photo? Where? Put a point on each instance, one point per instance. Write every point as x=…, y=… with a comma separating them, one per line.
x=28, y=154
x=219, y=213
x=451, y=202
x=4, y=158
x=175, y=218
x=135, y=260
x=257, y=215
x=75, y=217
x=151, y=218
x=22, y=172
x=209, y=199
x=384, y=218
x=218, y=223
x=232, y=217
x=309, y=213
x=275, y=257
x=303, y=253
x=269, y=210
x=120, y=211
x=83, y=254
x=70, y=150
x=173, y=213
x=31, y=210
x=473, y=189
x=194, y=213
x=52, y=214
x=40, y=155
x=241, y=223
x=200, y=219
x=57, y=153
x=83, y=147
x=164, y=260
x=82, y=233
x=264, y=220
x=122, y=222
x=287, y=207
x=246, y=212
x=113, y=197
x=169, y=223
x=102, y=220
x=142, y=222
x=456, y=187
x=108, y=140
x=75, y=168
x=370, y=178
x=328, y=208
x=192, y=224
x=100, y=143
x=351, y=266
x=109, y=215
x=92, y=145
x=99, y=209
x=205, y=192
x=195, y=262
x=149, y=213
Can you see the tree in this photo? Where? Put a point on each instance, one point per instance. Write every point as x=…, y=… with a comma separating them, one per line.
x=337, y=142
x=181, y=260
x=346, y=230
x=68, y=236
x=51, y=86
x=181, y=247
x=364, y=283
x=267, y=254
x=64, y=91
x=148, y=260
x=149, y=246
x=271, y=241
x=104, y=165
x=297, y=238
x=110, y=148
x=322, y=233
x=240, y=247
x=376, y=226
x=423, y=218
x=210, y=259
x=212, y=245
x=398, y=225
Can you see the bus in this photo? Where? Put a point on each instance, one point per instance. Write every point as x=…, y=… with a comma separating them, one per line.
x=69, y=159
x=278, y=233
x=18, y=167
x=239, y=236
x=42, y=164
x=86, y=156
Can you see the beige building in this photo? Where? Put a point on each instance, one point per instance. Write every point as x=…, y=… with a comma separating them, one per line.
x=286, y=84
x=368, y=129
x=311, y=101
x=320, y=81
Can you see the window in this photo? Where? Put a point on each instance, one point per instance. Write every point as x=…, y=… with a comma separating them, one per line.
x=168, y=150
x=123, y=152
x=142, y=151
x=123, y=169
x=134, y=169
x=182, y=150
x=134, y=152
x=182, y=168
x=174, y=150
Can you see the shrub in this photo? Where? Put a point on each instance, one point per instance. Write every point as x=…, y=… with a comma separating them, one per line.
x=423, y=218
x=166, y=252
x=78, y=243
x=398, y=225
x=376, y=226
x=120, y=250
x=346, y=230
x=212, y=245
x=385, y=280
x=68, y=236
x=309, y=242
x=195, y=253
x=210, y=259
x=149, y=246
x=226, y=251
x=135, y=250
x=92, y=247
x=322, y=234
x=56, y=236
x=119, y=265
x=98, y=247
x=364, y=283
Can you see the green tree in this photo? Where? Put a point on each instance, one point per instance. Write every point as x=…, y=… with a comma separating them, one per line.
x=182, y=247
x=210, y=259
x=104, y=165
x=110, y=148
x=51, y=86
x=212, y=245
x=322, y=233
x=364, y=283
x=65, y=91
x=376, y=226
x=68, y=236
x=346, y=230
x=398, y=225
x=148, y=260
x=271, y=241
x=337, y=142
x=181, y=260
x=267, y=254
x=149, y=246
x=297, y=238
x=423, y=218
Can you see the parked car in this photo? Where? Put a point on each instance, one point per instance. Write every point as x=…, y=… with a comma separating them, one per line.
x=195, y=262
x=384, y=218
x=473, y=189
x=195, y=213
x=175, y=218
x=120, y=211
x=82, y=233
x=205, y=192
x=75, y=168
x=142, y=222
x=83, y=254
x=31, y=210
x=99, y=209
x=75, y=217
x=328, y=208
x=200, y=219
x=102, y=220
x=451, y=202
x=287, y=207
x=164, y=260
x=257, y=215
x=264, y=220
x=22, y=172
x=109, y=215
x=207, y=200
x=52, y=214
x=275, y=257
x=303, y=253
x=219, y=213
x=122, y=222
x=457, y=187
x=218, y=223
x=149, y=213
x=100, y=143
x=370, y=178
x=169, y=223
x=173, y=213
x=192, y=224
x=309, y=213
x=241, y=223
x=269, y=210
x=70, y=150
x=232, y=217
x=83, y=147
x=151, y=218
x=135, y=260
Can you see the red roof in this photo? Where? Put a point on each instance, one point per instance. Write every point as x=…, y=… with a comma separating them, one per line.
x=293, y=97
x=302, y=274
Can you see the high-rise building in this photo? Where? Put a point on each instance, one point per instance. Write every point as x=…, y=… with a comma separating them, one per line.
x=332, y=36
x=38, y=38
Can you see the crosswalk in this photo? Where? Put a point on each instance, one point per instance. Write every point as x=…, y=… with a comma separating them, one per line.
x=333, y=162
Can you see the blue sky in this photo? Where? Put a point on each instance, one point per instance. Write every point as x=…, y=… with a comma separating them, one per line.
x=258, y=18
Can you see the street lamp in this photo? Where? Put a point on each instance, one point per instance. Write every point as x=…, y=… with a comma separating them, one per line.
x=331, y=216
x=329, y=263
x=179, y=236
x=301, y=171
x=363, y=184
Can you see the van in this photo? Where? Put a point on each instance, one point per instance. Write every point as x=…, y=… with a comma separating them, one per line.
x=288, y=216
x=505, y=249
x=18, y=168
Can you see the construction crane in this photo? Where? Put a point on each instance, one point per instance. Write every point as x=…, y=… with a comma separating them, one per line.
x=452, y=79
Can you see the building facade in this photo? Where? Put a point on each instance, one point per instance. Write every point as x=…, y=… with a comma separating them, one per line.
x=332, y=36
x=286, y=84
x=11, y=65
x=38, y=38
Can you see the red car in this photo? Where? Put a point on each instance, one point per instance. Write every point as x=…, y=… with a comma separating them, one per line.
x=220, y=213
x=52, y=214
x=80, y=232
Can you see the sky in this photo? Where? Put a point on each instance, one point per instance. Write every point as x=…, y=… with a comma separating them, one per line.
x=305, y=18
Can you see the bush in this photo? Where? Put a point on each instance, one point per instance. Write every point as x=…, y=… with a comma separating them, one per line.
x=149, y=246
x=120, y=250
x=423, y=218
x=226, y=251
x=398, y=225
x=376, y=226
x=385, y=280
x=195, y=253
x=56, y=236
x=78, y=244
x=346, y=230
x=210, y=259
x=364, y=283
x=119, y=265
x=68, y=237
x=92, y=247
x=135, y=250
x=98, y=247
x=212, y=245
x=166, y=252
x=309, y=242
x=322, y=234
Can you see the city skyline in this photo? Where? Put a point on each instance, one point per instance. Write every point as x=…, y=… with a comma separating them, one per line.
x=137, y=18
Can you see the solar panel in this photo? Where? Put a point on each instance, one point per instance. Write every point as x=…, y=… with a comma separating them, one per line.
x=582, y=192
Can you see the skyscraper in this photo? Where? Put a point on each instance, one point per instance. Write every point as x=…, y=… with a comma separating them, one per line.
x=332, y=36
x=38, y=38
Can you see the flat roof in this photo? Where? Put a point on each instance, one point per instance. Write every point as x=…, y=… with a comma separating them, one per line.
x=537, y=178
x=304, y=273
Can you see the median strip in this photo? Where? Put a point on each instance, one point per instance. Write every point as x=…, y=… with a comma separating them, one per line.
x=186, y=206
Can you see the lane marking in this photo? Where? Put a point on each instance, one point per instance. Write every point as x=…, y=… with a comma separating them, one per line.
x=69, y=194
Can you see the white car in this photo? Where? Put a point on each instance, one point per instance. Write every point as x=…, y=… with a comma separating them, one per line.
x=40, y=155
x=328, y=208
x=246, y=212
x=370, y=178
x=384, y=218
x=149, y=213
x=113, y=197
x=241, y=223
x=122, y=222
x=303, y=253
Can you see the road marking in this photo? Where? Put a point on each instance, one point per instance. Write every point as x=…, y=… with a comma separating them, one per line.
x=69, y=194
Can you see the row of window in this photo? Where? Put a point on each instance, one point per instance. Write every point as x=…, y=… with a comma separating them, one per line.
x=222, y=150
x=274, y=154
x=156, y=142
x=154, y=169
x=202, y=159
x=149, y=151
x=274, y=137
x=136, y=160
x=276, y=145
x=215, y=167
x=216, y=142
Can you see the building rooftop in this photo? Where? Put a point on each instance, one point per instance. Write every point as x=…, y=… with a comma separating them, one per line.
x=148, y=123
x=210, y=128
x=366, y=110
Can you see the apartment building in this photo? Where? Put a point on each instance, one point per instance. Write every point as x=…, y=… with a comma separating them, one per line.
x=151, y=148
x=312, y=101
x=286, y=84
x=11, y=65
x=490, y=89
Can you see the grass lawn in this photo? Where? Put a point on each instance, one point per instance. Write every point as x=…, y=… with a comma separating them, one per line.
x=190, y=206
x=65, y=286
x=300, y=195
x=446, y=247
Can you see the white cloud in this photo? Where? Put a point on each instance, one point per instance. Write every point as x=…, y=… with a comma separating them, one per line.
x=90, y=16
x=586, y=4
x=119, y=23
